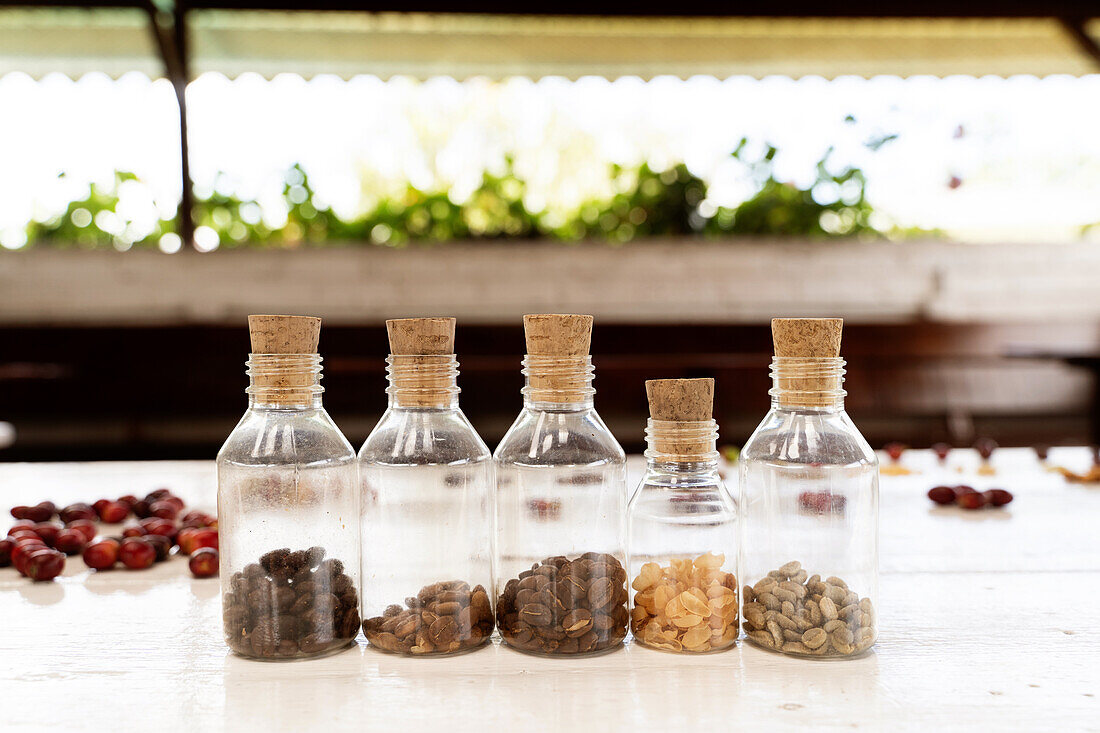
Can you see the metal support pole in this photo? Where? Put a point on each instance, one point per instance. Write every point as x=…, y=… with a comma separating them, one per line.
x=170, y=34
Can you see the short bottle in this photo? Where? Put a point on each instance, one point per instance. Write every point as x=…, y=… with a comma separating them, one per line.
x=561, y=504
x=427, y=505
x=682, y=528
x=287, y=506
x=809, y=500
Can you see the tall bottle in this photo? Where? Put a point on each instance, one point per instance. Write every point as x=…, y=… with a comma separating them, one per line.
x=561, y=501
x=809, y=484
x=287, y=506
x=427, y=504
x=682, y=532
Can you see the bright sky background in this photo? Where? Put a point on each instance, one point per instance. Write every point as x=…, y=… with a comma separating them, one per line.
x=1026, y=151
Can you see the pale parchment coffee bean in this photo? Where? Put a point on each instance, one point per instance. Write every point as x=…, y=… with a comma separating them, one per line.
x=790, y=568
x=813, y=638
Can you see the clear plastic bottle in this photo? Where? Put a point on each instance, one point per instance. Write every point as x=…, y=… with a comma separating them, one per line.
x=287, y=506
x=561, y=501
x=809, y=497
x=427, y=505
x=682, y=533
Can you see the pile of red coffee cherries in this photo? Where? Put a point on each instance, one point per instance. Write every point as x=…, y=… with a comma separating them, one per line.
x=37, y=547
x=969, y=498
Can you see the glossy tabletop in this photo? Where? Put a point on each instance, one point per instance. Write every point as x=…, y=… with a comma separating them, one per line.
x=988, y=619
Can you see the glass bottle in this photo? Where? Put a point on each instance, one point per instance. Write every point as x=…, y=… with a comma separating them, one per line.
x=561, y=501
x=682, y=533
x=287, y=506
x=427, y=505
x=809, y=484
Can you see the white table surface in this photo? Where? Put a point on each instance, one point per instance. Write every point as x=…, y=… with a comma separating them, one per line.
x=988, y=620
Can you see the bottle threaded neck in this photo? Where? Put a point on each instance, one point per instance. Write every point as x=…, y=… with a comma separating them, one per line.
x=422, y=380
x=811, y=383
x=284, y=380
x=560, y=380
x=681, y=441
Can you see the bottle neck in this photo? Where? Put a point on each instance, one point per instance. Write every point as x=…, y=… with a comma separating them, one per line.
x=682, y=446
x=808, y=384
x=428, y=381
x=284, y=381
x=559, y=383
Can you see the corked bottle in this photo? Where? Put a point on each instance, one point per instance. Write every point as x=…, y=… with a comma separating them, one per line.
x=809, y=498
x=682, y=528
x=287, y=506
x=427, y=504
x=561, y=496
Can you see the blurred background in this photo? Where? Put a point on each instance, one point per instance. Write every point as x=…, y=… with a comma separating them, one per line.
x=684, y=174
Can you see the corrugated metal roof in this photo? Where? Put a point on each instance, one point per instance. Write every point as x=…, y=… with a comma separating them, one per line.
x=427, y=44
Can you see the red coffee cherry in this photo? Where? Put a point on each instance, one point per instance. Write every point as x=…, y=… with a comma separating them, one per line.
x=941, y=450
x=77, y=511
x=998, y=497
x=161, y=544
x=24, y=547
x=134, y=530
x=101, y=555
x=204, y=562
x=164, y=509
x=942, y=494
x=6, y=546
x=894, y=450
x=85, y=526
x=985, y=447
x=70, y=541
x=45, y=564
x=20, y=533
x=136, y=554
x=114, y=512
x=47, y=531
x=971, y=501
x=205, y=538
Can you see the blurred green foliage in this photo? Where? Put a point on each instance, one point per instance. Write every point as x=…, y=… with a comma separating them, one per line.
x=648, y=203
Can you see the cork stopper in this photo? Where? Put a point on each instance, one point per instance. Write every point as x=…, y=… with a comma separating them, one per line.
x=807, y=337
x=680, y=399
x=422, y=365
x=284, y=334
x=681, y=428
x=557, y=344
x=558, y=335
x=421, y=336
x=807, y=385
x=281, y=369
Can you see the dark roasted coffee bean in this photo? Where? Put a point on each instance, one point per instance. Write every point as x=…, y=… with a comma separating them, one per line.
x=314, y=556
x=316, y=642
x=536, y=614
x=295, y=561
x=577, y=623
x=600, y=593
x=274, y=560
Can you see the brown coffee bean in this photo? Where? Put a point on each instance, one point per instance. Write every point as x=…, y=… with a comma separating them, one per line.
x=535, y=614
x=409, y=625
x=521, y=632
x=577, y=623
x=313, y=643
x=443, y=631
x=479, y=604
x=601, y=591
